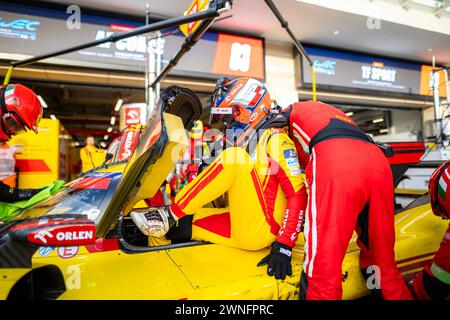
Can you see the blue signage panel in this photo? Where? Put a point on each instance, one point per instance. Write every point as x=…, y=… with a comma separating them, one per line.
x=358, y=71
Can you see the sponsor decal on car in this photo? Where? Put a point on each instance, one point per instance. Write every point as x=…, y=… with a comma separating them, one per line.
x=62, y=235
x=67, y=252
x=130, y=141
x=45, y=251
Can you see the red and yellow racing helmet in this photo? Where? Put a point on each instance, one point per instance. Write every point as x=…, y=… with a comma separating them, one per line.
x=20, y=110
x=241, y=103
x=439, y=190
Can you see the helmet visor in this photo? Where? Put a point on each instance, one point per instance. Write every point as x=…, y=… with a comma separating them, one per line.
x=221, y=118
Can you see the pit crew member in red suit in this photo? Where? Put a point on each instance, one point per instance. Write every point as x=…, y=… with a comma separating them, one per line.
x=350, y=188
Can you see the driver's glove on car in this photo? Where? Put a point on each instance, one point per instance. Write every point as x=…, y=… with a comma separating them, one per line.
x=154, y=223
x=278, y=261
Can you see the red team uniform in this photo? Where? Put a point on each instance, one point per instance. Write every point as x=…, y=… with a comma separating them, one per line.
x=350, y=188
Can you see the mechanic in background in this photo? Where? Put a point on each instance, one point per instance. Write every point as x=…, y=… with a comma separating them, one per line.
x=350, y=187
x=91, y=157
x=433, y=282
x=20, y=110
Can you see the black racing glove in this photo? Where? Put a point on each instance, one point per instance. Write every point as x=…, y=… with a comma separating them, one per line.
x=278, y=261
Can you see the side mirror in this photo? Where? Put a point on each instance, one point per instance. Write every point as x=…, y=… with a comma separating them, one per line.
x=55, y=231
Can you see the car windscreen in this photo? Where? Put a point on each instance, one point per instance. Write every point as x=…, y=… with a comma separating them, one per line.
x=88, y=195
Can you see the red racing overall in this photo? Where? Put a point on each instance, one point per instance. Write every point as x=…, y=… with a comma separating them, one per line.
x=351, y=188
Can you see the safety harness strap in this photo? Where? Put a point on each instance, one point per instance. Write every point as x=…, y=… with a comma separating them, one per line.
x=339, y=129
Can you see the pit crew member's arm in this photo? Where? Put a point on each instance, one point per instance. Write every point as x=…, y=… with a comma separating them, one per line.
x=285, y=166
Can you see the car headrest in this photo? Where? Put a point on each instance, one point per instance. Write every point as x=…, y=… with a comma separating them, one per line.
x=182, y=102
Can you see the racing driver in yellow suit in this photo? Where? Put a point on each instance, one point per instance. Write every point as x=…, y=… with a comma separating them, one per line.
x=266, y=192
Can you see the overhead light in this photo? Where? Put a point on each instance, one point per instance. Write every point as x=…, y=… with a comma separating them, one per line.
x=102, y=144
x=106, y=137
x=336, y=32
x=110, y=129
x=113, y=120
x=77, y=143
x=349, y=114
x=118, y=105
x=384, y=130
x=53, y=117
x=378, y=120
x=43, y=104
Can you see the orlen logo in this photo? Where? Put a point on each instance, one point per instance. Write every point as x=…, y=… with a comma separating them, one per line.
x=64, y=235
x=125, y=155
x=75, y=235
x=20, y=24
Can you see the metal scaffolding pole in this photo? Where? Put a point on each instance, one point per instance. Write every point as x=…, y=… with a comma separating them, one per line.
x=189, y=42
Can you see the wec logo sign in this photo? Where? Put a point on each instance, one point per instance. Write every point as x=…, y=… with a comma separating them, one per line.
x=20, y=24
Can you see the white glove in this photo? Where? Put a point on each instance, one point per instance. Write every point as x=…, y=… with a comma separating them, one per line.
x=155, y=223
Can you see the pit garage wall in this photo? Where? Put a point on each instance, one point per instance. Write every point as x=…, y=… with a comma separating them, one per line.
x=280, y=73
x=282, y=84
x=408, y=98
x=405, y=125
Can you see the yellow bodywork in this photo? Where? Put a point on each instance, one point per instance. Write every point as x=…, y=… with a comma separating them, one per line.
x=211, y=271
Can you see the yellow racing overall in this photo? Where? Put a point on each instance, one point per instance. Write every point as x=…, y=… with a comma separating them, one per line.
x=266, y=195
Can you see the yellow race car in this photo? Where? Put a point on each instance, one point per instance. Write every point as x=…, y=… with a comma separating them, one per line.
x=80, y=243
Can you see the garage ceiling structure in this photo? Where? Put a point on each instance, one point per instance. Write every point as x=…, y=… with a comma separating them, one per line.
x=407, y=29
